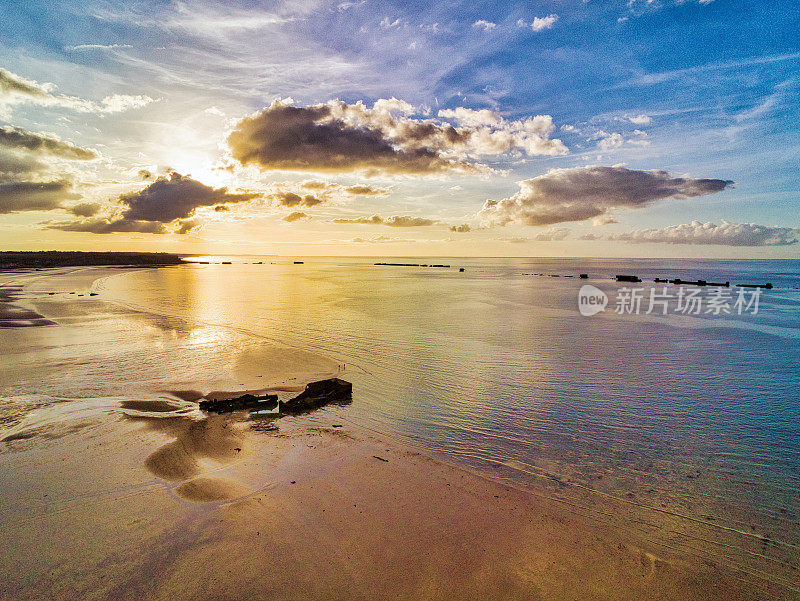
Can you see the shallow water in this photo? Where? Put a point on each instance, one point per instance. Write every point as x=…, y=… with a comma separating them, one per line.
x=690, y=425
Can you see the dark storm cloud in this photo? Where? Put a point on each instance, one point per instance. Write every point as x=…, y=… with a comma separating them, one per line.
x=576, y=194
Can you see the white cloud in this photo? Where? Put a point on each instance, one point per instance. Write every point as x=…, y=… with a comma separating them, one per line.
x=381, y=240
x=542, y=23
x=603, y=220
x=727, y=234
x=387, y=23
x=609, y=141
x=484, y=25
x=15, y=90
x=80, y=47
x=553, y=234
x=348, y=5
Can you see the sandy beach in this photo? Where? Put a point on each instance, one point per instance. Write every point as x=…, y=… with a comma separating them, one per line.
x=113, y=485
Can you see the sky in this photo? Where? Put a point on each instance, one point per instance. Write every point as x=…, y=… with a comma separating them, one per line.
x=630, y=128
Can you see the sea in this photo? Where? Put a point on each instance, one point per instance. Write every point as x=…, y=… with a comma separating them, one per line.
x=671, y=409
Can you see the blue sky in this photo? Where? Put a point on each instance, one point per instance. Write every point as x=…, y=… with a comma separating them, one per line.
x=700, y=90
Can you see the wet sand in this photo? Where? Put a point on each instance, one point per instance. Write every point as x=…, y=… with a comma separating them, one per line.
x=13, y=315
x=127, y=491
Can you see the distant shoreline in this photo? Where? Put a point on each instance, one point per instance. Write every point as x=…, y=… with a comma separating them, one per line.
x=54, y=258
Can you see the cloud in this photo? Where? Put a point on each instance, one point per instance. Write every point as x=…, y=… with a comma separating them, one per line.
x=472, y=117
x=339, y=137
x=84, y=209
x=27, y=182
x=395, y=221
x=14, y=166
x=187, y=225
x=604, y=220
x=640, y=7
x=403, y=221
x=640, y=120
x=609, y=141
x=170, y=200
x=12, y=84
x=355, y=190
x=484, y=25
x=118, y=103
x=34, y=196
x=366, y=191
x=316, y=184
x=296, y=216
x=460, y=229
x=539, y=23
x=109, y=226
x=374, y=220
x=290, y=199
x=342, y=6
x=311, y=193
x=317, y=138
x=727, y=234
x=15, y=89
x=580, y=193
x=487, y=133
x=553, y=234
x=19, y=139
x=80, y=47
x=381, y=240
x=175, y=197
x=387, y=23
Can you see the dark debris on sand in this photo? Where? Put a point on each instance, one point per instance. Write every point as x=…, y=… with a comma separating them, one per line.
x=315, y=395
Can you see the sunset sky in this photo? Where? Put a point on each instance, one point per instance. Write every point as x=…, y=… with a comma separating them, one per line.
x=563, y=127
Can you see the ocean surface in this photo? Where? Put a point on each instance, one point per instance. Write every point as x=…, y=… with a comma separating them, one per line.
x=686, y=426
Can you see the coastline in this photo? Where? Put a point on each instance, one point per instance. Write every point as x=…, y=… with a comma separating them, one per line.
x=232, y=511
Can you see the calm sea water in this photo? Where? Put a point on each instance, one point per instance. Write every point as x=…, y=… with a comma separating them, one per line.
x=689, y=425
